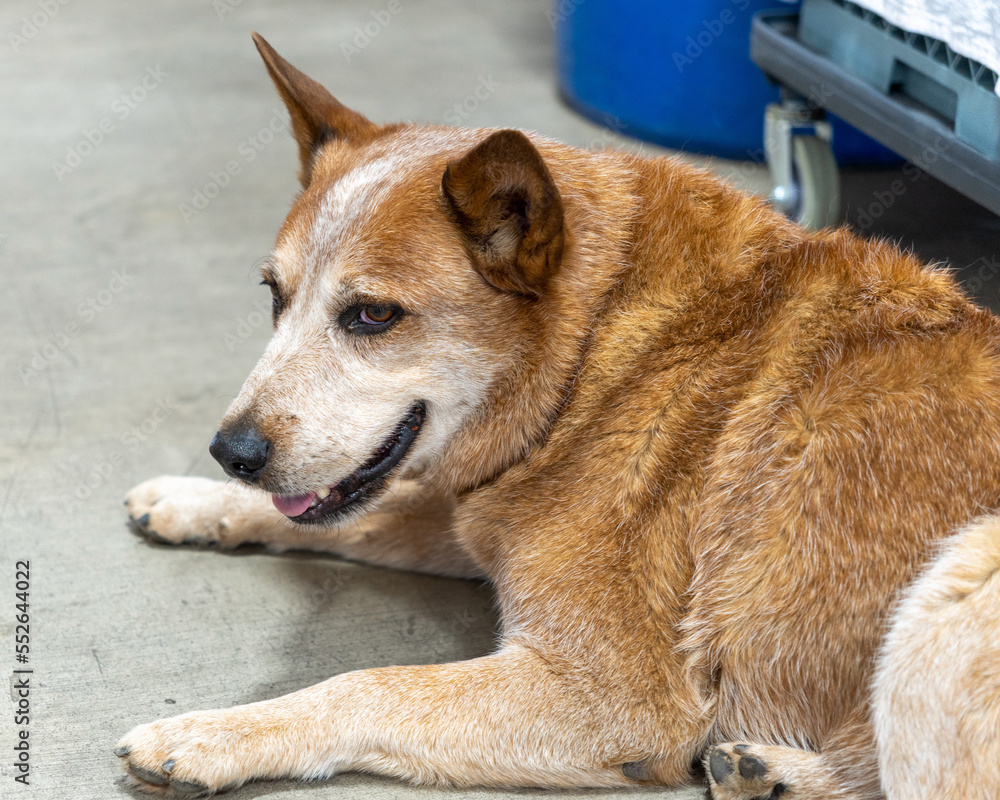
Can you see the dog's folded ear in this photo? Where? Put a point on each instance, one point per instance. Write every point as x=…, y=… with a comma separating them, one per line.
x=507, y=205
x=317, y=117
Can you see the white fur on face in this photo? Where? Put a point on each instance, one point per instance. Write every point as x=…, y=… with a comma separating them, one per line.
x=350, y=199
x=328, y=398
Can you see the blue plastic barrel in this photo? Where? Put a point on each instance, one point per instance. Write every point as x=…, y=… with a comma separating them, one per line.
x=678, y=74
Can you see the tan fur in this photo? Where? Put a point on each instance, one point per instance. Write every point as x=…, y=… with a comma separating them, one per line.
x=937, y=691
x=698, y=451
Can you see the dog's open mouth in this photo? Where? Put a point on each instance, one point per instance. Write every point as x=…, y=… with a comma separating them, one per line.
x=363, y=483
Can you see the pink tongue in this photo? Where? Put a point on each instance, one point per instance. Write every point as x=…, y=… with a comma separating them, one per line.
x=293, y=506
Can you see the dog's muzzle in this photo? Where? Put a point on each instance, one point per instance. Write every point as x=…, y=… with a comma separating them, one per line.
x=361, y=485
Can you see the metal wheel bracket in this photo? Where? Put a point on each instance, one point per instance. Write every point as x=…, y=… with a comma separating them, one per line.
x=782, y=123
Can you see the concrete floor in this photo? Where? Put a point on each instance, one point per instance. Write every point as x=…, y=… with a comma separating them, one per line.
x=127, y=330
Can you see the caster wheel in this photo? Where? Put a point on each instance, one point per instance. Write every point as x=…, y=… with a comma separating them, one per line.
x=805, y=183
x=815, y=201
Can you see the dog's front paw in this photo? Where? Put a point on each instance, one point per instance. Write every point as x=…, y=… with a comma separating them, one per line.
x=192, y=754
x=176, y=510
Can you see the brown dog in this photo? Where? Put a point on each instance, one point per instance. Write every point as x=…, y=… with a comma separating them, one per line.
x=698, y=451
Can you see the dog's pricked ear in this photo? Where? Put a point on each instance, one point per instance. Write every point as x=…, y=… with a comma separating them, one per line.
x=509, y=208
x=317, y=116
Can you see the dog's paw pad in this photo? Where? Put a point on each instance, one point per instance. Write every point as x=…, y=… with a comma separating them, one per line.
x=736, y=773
x=720, y=765
x=637, y=771
x=752, y=768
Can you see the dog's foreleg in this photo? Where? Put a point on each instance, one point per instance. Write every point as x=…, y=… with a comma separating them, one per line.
x=409, y=530
x=505, y=719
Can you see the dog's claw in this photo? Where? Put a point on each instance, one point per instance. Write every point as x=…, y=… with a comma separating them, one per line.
x=148, y=775
x=122, y=751
x=140, y=527
x=167, y=766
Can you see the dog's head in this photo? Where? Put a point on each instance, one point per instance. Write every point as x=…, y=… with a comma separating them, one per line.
x=407, y=282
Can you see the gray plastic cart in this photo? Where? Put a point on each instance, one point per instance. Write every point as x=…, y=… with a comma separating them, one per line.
x=914, y=94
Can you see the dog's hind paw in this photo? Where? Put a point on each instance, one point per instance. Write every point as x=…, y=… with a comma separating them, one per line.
x=740, y=772
x=196, y=511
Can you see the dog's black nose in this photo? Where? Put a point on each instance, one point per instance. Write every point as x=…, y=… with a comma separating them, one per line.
x=242, y=453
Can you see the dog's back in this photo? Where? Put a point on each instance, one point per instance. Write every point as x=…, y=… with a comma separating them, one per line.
x=770, y=430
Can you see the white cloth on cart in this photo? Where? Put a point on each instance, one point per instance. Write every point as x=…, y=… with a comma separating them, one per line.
x=969, y=27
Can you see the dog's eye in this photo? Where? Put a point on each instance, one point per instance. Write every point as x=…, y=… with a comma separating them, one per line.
x=370, y=319
x=277, y=304
x=376, y=315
